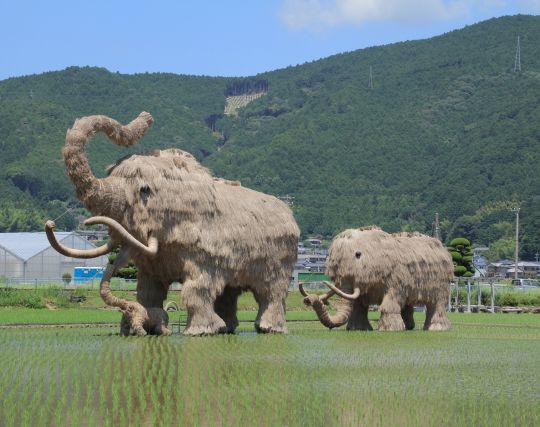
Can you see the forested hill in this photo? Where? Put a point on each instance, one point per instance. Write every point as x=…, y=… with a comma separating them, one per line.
x=447, y=126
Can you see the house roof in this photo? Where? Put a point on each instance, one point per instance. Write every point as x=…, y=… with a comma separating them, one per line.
x=27, y=245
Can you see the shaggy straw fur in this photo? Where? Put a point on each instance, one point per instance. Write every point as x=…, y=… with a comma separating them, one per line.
x=214, y=236
x=396, y=271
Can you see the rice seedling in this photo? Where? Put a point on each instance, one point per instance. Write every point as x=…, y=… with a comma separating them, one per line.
x=483, y=371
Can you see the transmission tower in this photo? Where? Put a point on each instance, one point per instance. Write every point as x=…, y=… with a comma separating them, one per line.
x=517, y=62
x=370, y=84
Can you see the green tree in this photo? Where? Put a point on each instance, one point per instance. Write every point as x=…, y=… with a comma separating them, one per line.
x=462, y=255
x=530, y=228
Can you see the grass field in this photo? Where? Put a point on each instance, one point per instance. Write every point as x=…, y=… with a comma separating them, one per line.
x=482, y=372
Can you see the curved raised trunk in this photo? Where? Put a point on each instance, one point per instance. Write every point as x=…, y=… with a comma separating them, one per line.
x=75, y=253
x=91, y=190
x=340, y=318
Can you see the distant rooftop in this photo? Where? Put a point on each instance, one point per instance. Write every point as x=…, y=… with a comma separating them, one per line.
x=26, y=245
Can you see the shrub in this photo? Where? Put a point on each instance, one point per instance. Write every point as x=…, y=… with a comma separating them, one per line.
x=459, y=270
x=460, y=241
x=507, y=298
x=462, y=255
x=34, y=298
x=20, y=298
x=456, y=256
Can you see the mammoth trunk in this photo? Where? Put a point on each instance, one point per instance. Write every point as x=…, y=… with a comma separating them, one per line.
x=91, y=190
x=340, y=318
x=106, y=294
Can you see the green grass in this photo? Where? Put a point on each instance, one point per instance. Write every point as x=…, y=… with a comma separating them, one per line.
x=471, y=375
x=22, y=315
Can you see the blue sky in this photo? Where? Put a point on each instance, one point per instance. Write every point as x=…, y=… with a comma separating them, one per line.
x=219, y=37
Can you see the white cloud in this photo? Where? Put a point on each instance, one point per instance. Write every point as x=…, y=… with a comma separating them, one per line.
x=328, y=13
x=299, y=14
x=530, y=6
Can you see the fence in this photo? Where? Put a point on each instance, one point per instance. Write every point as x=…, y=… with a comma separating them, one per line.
x=116, y=283
x=470, y=295
x=480, y=296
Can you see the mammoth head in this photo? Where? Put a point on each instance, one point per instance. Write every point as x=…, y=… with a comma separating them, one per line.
x=357, y=254
x=148, y=193
x=109, y=197
x=104, y=196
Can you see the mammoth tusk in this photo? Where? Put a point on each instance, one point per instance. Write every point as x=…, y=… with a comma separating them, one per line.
x=150, y=250
x=75, y=253
x=342, y=294
x=324, y=298
x=301, y=289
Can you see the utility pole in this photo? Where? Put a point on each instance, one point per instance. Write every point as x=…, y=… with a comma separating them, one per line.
x=437, y=232
x=517, y=62
x=516, y=255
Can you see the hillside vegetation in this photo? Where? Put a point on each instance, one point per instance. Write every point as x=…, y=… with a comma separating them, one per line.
x=448, y=127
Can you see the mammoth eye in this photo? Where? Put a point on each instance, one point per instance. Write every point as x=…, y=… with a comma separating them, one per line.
x=358, y=254
x=145, y=189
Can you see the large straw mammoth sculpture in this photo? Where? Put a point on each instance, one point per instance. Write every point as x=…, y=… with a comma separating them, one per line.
x=396, y=271
x=178, y=223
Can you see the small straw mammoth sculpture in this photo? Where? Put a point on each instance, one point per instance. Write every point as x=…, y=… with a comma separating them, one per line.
x=394, y=271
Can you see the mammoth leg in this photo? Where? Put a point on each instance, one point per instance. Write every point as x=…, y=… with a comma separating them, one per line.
x=436, y=317
x=271, y=300
x=390, y=319
x=125, y=326
x=226, y=306
x=407, y=314
x=151, y=294
x=199, y=296
x=157, y=321
x=358, y=320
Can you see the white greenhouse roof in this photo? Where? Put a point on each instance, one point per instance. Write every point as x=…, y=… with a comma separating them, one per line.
x=26, y=245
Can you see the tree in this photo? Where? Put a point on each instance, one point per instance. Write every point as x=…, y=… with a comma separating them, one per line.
x=501, y=249
x=530, y=228
x=128, y=272
x=462, y=255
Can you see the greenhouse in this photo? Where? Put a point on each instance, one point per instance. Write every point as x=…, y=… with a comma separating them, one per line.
x=29, y=257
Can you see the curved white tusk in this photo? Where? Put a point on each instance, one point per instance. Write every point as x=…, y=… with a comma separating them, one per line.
x=150, y=250
x=323, y=298
x=301, y=289
x=75, y=253
x=351, y=297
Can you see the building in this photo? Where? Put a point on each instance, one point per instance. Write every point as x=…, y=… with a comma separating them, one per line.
x=507, y=268
x=29, y=257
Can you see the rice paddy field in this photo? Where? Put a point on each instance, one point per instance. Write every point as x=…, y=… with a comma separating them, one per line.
x=485, y=371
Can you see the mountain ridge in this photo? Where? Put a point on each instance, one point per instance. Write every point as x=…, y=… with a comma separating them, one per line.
x=448, y=127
